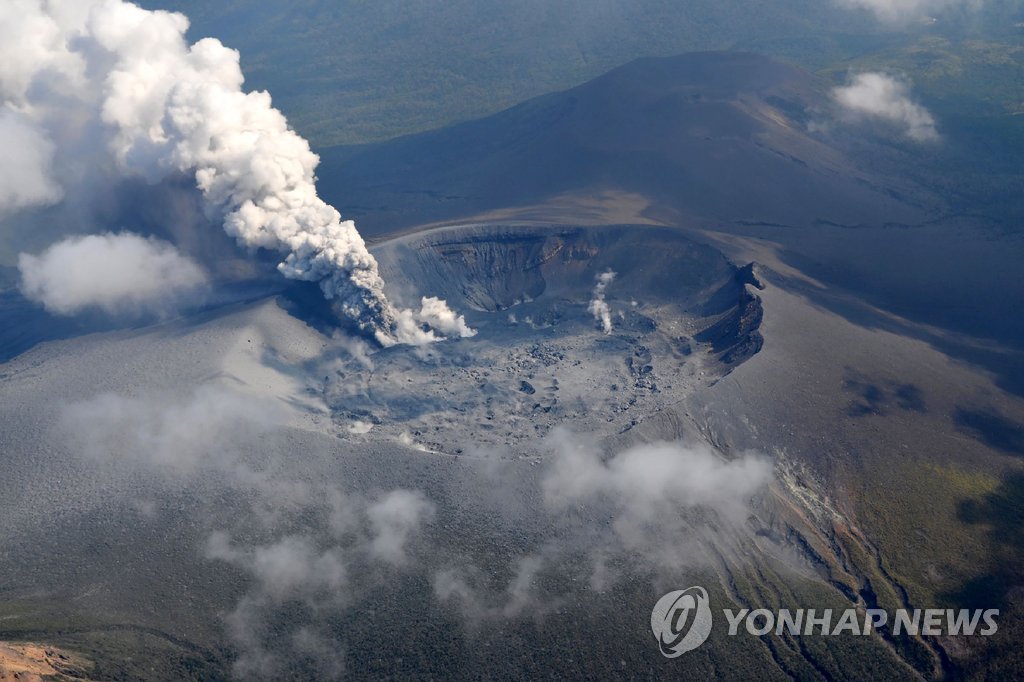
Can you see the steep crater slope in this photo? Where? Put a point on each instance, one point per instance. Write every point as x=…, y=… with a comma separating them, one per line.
x=593, y=329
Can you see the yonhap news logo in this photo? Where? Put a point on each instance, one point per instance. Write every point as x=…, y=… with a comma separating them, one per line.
x=681, y=621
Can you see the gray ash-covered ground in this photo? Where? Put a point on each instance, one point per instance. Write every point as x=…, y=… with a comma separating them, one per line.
x=682, y=317
x=180, y=458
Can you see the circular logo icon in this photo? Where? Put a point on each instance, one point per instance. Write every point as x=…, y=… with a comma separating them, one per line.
x=681, y=621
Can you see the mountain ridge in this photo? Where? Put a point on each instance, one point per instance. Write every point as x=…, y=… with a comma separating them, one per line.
x=723, y=136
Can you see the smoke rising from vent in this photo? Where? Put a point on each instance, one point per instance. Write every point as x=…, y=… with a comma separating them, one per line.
x=417, y=327
x=598, y=306
x=110, y=69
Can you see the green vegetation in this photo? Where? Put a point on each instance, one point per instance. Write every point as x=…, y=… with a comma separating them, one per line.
x=356, y=71
x=352, y=72
x=975, y=89
x=920, y=506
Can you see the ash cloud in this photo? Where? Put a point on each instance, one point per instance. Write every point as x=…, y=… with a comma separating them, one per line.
x=874, y=96
x=598, y=307
x=75, y=71
x=116, y=273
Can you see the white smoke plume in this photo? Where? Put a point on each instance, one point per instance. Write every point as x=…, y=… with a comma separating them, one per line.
x=26, y=170
x=598, y=306
x=882, y=97
x=435, y=313
x=901, y=11
x=115, y=273
x=419, y=327
x=164, y=106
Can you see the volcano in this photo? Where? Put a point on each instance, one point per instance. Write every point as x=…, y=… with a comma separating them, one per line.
x=776, y=401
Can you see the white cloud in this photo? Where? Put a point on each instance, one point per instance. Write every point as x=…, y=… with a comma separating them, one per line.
x=881, y=97
x=393, y=519
x=900, y=11
x=26, y=169
x=118, y=87
x=292, y=568
x=323, y=573
x=34, y=44
x=650, y=483
x=656, y=506
x=316, y=545
x=289, y=568
x=115, y=273
x=464, y=588
x=174, y=434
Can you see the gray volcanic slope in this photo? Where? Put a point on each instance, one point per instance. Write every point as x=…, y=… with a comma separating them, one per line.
x=720, y=136
x=728, y=143
x=218, y=492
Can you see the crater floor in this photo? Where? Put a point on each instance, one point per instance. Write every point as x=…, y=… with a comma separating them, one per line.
x=681, y=317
